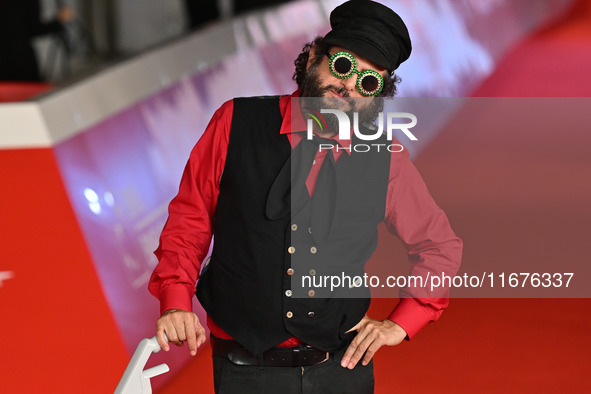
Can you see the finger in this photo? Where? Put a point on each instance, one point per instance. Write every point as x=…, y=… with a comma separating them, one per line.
x=378, y=342
x=200, y=332
x=361, y=349
x=355, y=328
x=161, y=339
x=353, y=347
x=171, y=332
x=180, y=330
x=191, y=336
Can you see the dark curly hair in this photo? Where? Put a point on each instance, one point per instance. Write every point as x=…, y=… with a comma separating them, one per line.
x=389, y=90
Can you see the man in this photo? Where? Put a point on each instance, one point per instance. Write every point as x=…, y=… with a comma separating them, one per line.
x=276, y=216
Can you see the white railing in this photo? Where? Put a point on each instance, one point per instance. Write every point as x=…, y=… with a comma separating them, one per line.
x=135, y=379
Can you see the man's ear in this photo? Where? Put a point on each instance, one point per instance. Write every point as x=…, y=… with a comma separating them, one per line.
x=311, y=56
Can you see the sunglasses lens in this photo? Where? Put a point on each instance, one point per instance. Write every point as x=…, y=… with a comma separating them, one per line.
x=370, y=84
x=342, y=65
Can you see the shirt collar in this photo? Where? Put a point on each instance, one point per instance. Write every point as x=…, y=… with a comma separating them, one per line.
x=299, y=124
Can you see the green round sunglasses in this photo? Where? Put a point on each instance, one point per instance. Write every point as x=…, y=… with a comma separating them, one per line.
x=343, y=65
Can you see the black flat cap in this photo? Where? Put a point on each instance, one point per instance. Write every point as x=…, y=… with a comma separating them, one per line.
x=371, y=30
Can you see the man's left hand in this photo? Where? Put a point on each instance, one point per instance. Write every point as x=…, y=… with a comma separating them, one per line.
x=371, y=335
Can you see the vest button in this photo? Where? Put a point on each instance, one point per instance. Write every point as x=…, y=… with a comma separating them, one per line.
x=312, y=272
x=311, y=293
x=294, y=227
x=313, y=250
x=290, y=314
x=290, y=271
x=310, y=314
x=291, y=250
x=288, y=293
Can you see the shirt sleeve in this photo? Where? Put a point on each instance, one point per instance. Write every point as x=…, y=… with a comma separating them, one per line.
x=432, y=246
x=186, y=236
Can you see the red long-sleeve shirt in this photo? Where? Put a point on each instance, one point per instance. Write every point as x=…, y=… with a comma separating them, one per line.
x=411, y=214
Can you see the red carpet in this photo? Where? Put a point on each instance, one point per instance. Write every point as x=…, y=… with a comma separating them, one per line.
x=11, y=92
x=501, y=345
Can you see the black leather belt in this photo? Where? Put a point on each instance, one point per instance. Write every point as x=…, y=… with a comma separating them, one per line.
x=297, y=356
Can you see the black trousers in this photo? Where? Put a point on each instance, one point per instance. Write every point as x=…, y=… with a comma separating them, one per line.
x=324, y=378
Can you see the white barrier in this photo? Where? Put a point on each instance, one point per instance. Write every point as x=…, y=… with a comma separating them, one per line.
x=135, y=379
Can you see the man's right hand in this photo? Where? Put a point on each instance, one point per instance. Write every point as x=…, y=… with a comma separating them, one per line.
x=179, y=326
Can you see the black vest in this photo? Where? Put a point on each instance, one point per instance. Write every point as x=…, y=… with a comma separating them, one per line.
x=252, y=287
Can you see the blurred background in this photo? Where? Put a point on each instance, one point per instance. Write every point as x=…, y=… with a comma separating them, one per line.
x=102, y=101
x=72, y=38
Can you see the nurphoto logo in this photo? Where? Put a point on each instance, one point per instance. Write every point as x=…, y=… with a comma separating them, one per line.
x=393, y=122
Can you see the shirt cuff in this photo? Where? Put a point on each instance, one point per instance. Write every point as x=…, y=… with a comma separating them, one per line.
x=176, y=297
x=410, y=315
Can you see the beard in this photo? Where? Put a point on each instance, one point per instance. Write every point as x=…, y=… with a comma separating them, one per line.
x=312, y=94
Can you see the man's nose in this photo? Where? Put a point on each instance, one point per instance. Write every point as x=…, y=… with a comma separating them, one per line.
x=349, y=83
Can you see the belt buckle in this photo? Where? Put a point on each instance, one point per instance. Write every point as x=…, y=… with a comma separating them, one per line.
x=326, y=355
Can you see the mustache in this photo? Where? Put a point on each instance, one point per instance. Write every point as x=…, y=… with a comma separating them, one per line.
x=340, y=90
